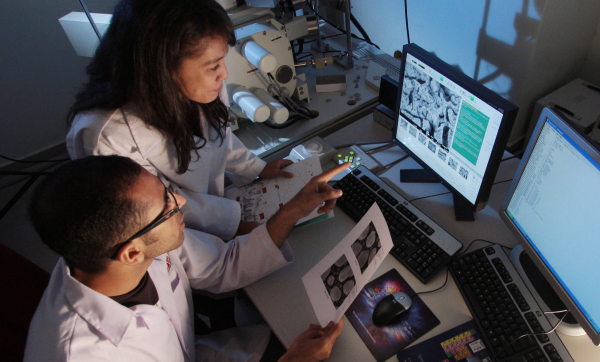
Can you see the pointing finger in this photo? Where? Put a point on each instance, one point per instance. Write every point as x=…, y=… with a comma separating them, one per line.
x=327, y=175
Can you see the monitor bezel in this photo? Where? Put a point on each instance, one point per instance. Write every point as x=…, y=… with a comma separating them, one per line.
x=508, y=110
x=590, y=149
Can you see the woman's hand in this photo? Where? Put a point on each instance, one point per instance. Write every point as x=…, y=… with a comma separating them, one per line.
x=274, y=169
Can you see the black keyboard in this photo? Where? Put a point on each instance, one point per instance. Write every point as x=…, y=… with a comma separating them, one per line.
x=421, y=245
x=504, y=308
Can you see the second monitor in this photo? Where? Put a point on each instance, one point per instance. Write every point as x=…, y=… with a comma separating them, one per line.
x=453, y=126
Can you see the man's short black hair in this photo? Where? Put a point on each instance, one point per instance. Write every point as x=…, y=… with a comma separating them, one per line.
x=82, y=209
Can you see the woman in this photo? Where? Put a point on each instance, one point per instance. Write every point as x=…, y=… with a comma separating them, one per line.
x=155, y=94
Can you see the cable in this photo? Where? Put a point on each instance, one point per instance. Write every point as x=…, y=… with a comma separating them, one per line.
x=379, y=170
x=36, y=161
x=338, y=28
x=289, y=102
x=448, y=272
x=323, y=38
x=300, y=43
x=308, y=54
x=485, y=241
x=501, y=182
x=425, y=197
x=302, y=57
x=544, y=333
x=361, y=144
x=89, y=16
x=406, y=19
x=291, y=7
x=360, y=28
x=553, y=312
x=25, y=174
x=449, y=192
x=380, y=148
x=435, y=290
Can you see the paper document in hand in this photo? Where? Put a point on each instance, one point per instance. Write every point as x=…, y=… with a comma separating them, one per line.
x=336, y=280
x=264, y=197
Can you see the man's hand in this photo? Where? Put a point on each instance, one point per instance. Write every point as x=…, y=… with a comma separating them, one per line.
x=313, y=194
x=315, y=344
x=274, y=169
x=246, y=227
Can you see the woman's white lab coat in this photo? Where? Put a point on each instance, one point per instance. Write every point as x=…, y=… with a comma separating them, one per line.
x=121, y=132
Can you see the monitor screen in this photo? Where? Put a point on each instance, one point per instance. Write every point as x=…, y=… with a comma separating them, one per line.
x=553, y=208
x=453, y=126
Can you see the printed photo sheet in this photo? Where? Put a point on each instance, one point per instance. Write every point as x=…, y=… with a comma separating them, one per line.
x=264, y=197
x=337, y=279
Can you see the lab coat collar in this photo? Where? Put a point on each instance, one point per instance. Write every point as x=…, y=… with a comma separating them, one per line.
x=108, y=317
x=159, y=272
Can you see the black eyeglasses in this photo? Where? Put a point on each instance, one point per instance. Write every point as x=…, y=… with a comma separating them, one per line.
x=160, y=219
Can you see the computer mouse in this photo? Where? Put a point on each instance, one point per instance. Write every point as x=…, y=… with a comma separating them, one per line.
x=390, y=308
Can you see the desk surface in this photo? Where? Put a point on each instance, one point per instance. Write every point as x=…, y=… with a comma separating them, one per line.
x=335, y=108
x=282, y=299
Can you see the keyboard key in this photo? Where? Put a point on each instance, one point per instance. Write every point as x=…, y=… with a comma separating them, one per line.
x=351, y=210
x=412, y=262
x=425, y=273
x=361, y=189
x=511, y=330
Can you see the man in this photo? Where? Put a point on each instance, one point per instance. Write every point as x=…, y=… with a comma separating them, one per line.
x=122, y=289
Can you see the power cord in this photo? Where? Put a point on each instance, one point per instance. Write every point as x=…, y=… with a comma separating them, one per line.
x=436, y=289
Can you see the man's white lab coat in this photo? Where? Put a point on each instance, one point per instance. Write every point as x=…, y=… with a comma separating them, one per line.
x=76, y=323
x=121, y=132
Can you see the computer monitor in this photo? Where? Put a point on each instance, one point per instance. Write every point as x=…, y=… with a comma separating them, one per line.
x=553, y=208
x=453, y=126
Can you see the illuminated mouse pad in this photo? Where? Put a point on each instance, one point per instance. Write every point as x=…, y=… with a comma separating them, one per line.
x=385, y=341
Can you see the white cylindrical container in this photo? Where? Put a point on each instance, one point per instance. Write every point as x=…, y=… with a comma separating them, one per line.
x=259, y=56
x=252, y=107
x=279, y=114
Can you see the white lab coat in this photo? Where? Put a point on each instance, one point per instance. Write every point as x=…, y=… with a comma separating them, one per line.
x=76, y=323
x=121, y=132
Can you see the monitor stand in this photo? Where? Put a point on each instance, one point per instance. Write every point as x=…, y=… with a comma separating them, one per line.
x=461, y=209
x=543, y=293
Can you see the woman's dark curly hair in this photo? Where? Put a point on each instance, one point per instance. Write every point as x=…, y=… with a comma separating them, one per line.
x=136, y=64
